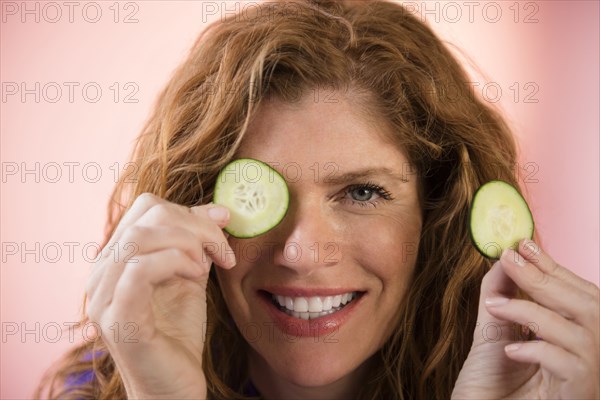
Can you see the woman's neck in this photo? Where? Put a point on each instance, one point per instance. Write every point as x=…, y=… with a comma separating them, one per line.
x=272, y=386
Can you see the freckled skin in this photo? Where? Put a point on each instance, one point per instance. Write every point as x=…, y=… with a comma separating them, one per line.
x=366, y=247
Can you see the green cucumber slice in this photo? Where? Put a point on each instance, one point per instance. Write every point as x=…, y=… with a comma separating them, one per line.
x=499, y=218
x=255, y=194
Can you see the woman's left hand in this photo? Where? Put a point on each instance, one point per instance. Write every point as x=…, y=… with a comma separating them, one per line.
x=563, y=363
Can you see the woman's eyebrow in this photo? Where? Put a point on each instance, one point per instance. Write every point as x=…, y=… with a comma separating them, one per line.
x=335, y=178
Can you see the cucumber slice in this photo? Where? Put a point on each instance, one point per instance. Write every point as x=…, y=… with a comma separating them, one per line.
x=255, y=194
x=499, y=218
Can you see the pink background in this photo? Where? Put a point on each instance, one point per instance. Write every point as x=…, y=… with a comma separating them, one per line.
x=558, y=136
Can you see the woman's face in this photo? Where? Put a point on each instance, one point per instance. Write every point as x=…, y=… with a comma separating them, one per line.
x=352, y=229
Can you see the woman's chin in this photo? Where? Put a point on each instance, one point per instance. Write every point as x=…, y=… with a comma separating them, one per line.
x=312, y=378
x=312, y=371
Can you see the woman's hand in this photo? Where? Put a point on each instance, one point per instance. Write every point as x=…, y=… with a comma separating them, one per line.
x=147, y=293
x=563, y=363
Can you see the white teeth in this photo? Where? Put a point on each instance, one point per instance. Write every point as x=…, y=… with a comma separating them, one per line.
x=337, y=300
x=300, y=304
x=350, y=297
x=313, y=307
x=289, y=303
x=315, y=304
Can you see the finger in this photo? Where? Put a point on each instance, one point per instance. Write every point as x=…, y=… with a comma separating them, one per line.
x=206, y=241
x=559, y=362
x=132, y=297
x=150, y=211
x=545, y=323
x=147, y=240
x=202, y=221
x=99, y=272
x=495, y=283
x=533, y=253
x=220, y=215
x=99, y=291
x=556, y=294
x=196, y=219
x=99, y=294
x=140, y=206
x=216, y=213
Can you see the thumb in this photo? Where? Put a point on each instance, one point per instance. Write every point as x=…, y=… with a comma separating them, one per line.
x=495, y=284
x=217, y=213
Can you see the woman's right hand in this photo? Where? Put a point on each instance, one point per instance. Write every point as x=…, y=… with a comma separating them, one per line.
x=147, y=293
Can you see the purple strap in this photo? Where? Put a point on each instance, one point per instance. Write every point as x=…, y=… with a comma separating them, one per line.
x=82, y=378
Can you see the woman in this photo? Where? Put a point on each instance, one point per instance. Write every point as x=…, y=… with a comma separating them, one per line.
x=354, y=96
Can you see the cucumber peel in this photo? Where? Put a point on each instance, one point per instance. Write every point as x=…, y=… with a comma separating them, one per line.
x=256, y=195
x=499, y=218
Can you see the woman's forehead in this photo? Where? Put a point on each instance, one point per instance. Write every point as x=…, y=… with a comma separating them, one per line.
x=313, y=132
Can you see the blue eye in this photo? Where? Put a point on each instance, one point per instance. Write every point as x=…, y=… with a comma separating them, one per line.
x=362, y=194
x=366, y=194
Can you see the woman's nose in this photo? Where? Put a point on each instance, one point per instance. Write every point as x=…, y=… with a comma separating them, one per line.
x=308, y=239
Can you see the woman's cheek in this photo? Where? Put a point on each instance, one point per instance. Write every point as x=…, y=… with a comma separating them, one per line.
x=387, y=238
x=230, y=282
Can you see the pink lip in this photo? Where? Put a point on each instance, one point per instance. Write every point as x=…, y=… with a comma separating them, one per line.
x=304, y=292
x=296, y=327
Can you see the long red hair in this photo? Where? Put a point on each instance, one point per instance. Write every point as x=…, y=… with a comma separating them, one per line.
x=401, y=72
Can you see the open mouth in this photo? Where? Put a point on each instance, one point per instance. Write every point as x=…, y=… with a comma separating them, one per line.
x=313, y=307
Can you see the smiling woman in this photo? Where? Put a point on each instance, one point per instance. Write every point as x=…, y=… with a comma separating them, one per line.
x=349, y=295
x=369, y=286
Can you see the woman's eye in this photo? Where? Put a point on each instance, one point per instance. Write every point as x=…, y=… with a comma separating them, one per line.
x=367, y=194
x=361, y=194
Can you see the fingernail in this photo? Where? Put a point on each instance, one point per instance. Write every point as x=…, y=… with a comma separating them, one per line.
x=513, y=347
x=531, y=246
x=218, y=213
x=232, y=263
x=229, y=257
x=496, y=301
x=512, y=256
